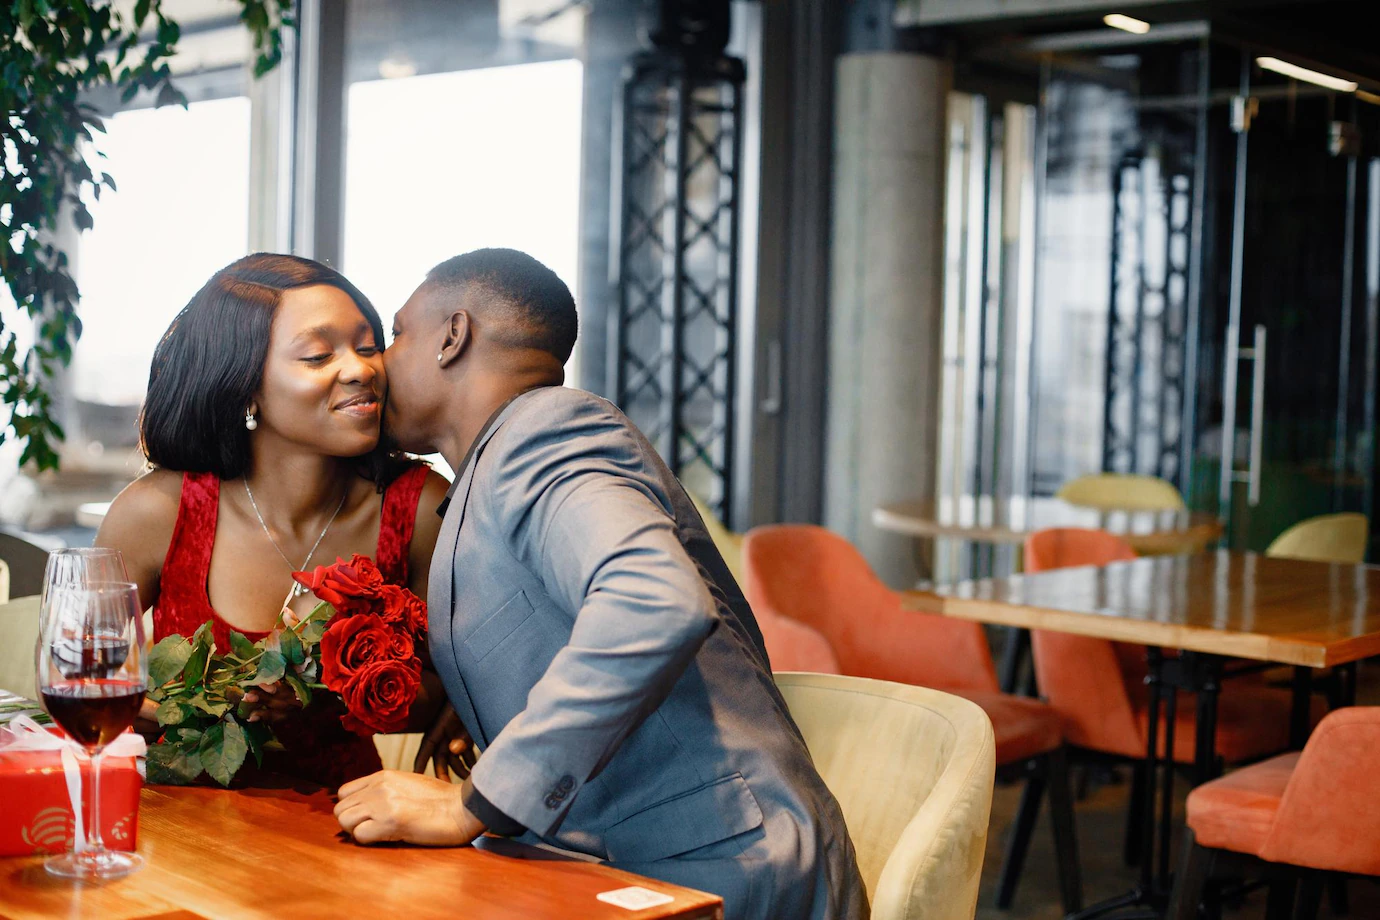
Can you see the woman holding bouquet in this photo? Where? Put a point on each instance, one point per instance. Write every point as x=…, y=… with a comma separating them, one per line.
x=262, y=428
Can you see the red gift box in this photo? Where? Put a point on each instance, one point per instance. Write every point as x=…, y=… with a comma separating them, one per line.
x=36, y=805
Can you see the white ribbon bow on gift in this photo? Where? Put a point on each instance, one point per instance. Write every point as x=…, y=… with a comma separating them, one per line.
x=22, y=733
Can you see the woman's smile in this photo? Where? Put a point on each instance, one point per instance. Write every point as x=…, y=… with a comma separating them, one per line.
x=363, y=405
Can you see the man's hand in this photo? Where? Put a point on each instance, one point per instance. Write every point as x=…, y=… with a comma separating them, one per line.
x=447, y=745
x=392, y=805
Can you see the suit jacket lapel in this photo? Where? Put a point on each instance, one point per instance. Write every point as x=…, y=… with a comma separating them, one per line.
x=444, y=562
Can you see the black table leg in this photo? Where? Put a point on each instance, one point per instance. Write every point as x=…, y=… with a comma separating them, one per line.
x=1171, y=705
x=1209, y=685
x=1013, y=658
x=1300, y=718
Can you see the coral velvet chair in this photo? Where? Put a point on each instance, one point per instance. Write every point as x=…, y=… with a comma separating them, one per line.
x=820, y=607
x=1316, y=810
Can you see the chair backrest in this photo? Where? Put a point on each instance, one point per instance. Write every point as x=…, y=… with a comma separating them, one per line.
x=814, y=577
x=1121, y=492
x=18, y=637
x=26, y=563
x=1329, y=817
x=4, y=582
x=1085, y=679
x=1326, y=538
x=912, y=769
x=728, y=543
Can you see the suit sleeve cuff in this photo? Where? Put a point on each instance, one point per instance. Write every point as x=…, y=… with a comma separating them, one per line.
x=488, y=813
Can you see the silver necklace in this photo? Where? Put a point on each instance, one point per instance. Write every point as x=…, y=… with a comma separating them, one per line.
x=297, y=589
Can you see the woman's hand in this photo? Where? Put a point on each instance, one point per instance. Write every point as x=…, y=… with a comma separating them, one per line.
x=146, y=722
x=271, y=703
x=447, y=746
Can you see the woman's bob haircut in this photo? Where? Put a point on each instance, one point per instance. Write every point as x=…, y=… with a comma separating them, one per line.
x=210, y=363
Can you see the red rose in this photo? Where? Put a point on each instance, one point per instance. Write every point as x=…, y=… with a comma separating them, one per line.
x=351, y=643
x=350, y=587
x=403, y=609
x=401, y=646
x=380, y=695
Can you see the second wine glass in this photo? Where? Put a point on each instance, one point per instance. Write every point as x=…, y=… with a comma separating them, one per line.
x=92, y=675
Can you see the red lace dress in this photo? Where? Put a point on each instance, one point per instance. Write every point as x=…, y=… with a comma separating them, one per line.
x=317, y=748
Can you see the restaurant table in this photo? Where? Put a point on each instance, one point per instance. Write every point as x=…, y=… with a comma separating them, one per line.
x=987, y=520
x=1011, y=521
x=1210, y=606
x=272, y=853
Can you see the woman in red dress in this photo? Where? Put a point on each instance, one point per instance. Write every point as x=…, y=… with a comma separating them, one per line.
x=261, y=426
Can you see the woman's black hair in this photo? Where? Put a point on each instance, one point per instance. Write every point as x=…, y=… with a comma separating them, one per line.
x=210, y=363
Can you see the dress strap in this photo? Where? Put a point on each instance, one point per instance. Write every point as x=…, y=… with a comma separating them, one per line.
x=396, y=522
x=182, y=602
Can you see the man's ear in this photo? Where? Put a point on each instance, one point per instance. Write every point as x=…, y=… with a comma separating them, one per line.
x=457, y=338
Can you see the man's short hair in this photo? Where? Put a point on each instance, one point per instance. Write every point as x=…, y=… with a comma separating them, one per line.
x=539, y=311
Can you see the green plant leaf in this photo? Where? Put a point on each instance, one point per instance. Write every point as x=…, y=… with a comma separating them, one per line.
x=272, y=666
x=291, y=647
x=172, y=764
x=173, y=712
x=211, y=707
x=167, y=659
x=223, y=749
x=242, y=647
x=300, y=688
x=259, y=737
x=202, y=643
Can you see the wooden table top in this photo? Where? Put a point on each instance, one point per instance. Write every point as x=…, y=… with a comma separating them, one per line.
x=271, y=853
x=988, y=521
x=1281, y=610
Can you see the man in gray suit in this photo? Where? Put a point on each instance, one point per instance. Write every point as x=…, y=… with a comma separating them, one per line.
x=589, y=635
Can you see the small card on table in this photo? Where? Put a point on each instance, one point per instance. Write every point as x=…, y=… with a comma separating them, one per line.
x=634, y=898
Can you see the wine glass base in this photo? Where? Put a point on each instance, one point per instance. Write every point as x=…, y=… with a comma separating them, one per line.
x=94, y=864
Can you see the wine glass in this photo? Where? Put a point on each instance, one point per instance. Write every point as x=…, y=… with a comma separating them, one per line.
x=92, y=674
x=76, y=566
x=79, y=565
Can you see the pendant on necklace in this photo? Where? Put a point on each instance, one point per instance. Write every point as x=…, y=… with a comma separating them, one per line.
x=298, y=589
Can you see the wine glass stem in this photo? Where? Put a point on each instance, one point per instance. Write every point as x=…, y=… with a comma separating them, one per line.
x=94, y=844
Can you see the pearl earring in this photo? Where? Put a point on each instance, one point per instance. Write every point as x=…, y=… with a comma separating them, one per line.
x=250, y=421
x=441, y=356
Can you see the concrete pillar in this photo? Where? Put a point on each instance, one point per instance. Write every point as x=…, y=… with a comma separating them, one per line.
x=887, y=307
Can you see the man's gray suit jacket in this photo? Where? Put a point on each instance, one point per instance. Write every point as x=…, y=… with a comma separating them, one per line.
x=599, y=652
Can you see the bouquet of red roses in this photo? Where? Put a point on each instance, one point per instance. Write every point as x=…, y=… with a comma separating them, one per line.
x=368, y=651
x=360, y=642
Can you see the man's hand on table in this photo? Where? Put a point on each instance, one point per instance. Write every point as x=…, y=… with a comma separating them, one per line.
x=394, y=806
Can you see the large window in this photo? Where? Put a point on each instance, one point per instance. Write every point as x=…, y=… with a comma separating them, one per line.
x=440, y=164
x=181, y=213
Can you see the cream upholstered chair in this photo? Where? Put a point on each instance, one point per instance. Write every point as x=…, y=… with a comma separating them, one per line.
x=1326, y=538
x=398, y=751
x=18, y=636
x=4, y=582
x=1121, y=492
x=728, y=543
x=912, y=769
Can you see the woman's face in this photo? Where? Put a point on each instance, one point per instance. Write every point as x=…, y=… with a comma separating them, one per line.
x=323, y=384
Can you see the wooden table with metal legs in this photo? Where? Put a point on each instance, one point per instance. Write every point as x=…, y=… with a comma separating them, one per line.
x=1211, y=606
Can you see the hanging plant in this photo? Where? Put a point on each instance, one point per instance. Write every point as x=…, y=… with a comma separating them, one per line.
x=53, y=55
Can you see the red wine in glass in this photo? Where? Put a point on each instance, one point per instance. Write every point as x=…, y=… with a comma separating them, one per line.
x=93, y=711
x=92, y=674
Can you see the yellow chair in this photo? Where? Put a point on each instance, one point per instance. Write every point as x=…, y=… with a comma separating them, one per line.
x=1121, y=492
x=912, y=769
x=729, y=544
x=18, y=638
x=1326, y=538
